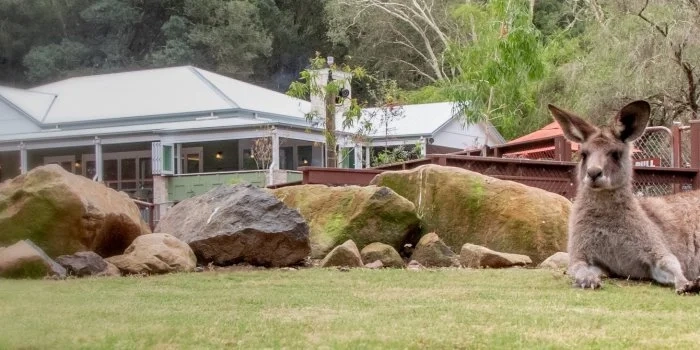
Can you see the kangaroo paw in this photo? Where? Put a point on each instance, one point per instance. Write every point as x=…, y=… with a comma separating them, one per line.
x=590, y=281
x=692, y=287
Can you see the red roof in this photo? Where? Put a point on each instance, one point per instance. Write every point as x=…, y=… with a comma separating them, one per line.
x=549, y=130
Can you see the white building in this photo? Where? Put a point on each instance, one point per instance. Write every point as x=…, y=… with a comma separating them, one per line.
x=188, y=129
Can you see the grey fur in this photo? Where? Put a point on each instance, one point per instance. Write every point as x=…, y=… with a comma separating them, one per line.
x=613, y=232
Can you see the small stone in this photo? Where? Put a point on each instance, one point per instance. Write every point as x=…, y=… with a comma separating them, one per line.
x=154, y=254
x=383, y=252
x=377, y=264
x=415, y=266
x=476, y=256
x=559, y=260
x=82, y=264
x=26, y=260
x=431, y=251
x=345, y=254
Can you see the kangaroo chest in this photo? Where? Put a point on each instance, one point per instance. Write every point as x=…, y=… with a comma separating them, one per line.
x=616, y=242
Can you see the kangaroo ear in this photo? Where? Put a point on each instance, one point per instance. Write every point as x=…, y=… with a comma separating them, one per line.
x=574, y=127
x=631, y=121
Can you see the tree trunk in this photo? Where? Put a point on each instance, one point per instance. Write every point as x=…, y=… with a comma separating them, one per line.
x=331, y=151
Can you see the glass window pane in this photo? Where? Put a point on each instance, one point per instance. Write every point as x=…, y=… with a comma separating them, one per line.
x=111, y=172
x=128, y=169
x=90, y=169
x=145, y=170
x=192, y=163
x=168, y=158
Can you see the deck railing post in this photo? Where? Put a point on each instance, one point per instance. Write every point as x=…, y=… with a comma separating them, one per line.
x=305, y=175
x=695, y=151
x=676, y=150
x=562, y=149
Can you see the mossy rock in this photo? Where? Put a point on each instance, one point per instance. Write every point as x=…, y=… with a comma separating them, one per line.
x=463, y=206
x=364, y=214
x=65, y=213
x=382, y=252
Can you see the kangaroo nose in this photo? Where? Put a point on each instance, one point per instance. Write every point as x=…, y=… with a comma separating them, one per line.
x=594, y=173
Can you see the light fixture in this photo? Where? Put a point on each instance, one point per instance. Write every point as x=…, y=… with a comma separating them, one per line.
x=219, y=155
x=305, y=161
x=77, y=164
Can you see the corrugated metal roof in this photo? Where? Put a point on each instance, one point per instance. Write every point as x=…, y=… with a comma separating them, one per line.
x=139, y=128
x=255, y=98
x=418, y=119
x=130, y=94
x=35, y=104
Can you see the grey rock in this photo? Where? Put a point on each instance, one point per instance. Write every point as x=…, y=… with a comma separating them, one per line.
x=83, y=264
x=239, y=223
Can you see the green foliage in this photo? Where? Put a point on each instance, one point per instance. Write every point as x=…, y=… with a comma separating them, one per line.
x=381, y=93
x=390, y=155
x=50, y=60
x=500, y=67
x=628, y=58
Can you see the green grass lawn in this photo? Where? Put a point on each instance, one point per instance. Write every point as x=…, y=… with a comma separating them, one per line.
x=320, y=308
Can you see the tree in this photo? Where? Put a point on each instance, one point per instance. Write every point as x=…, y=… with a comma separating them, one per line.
x=642, y=50
x=407, y=39
x=383, y=94
x=500, y=68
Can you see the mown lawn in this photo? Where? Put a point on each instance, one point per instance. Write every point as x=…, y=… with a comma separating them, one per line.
x=319, y=308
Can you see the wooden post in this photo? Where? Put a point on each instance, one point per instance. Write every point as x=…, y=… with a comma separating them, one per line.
x=305, y=175
x=695, y=151
x=676, y=151
x=562, y=149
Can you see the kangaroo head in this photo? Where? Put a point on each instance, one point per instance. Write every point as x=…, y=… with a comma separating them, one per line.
x=605, y=162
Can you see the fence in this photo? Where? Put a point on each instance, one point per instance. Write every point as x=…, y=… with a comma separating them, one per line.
x=666, y=161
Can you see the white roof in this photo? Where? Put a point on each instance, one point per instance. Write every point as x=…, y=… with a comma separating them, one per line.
x=159, y=92
x=254, y=98
x=217, y=124
x=36, y=104
x=418, y=119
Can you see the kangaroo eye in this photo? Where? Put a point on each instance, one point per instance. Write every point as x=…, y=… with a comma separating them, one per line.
x=616, y=155
x=584, y=155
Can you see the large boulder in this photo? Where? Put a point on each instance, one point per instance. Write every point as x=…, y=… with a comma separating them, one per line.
x=25, y=260
x=346, y=255
x=239, y=223
x=65, y=213
x=385, y=253
x=431, y=251
x=83, y=264
x=364, y=214
x=467, y=207
x=476, y=256
x=155, y=253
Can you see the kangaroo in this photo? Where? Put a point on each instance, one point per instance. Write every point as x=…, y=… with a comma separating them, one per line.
x=614, y=233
